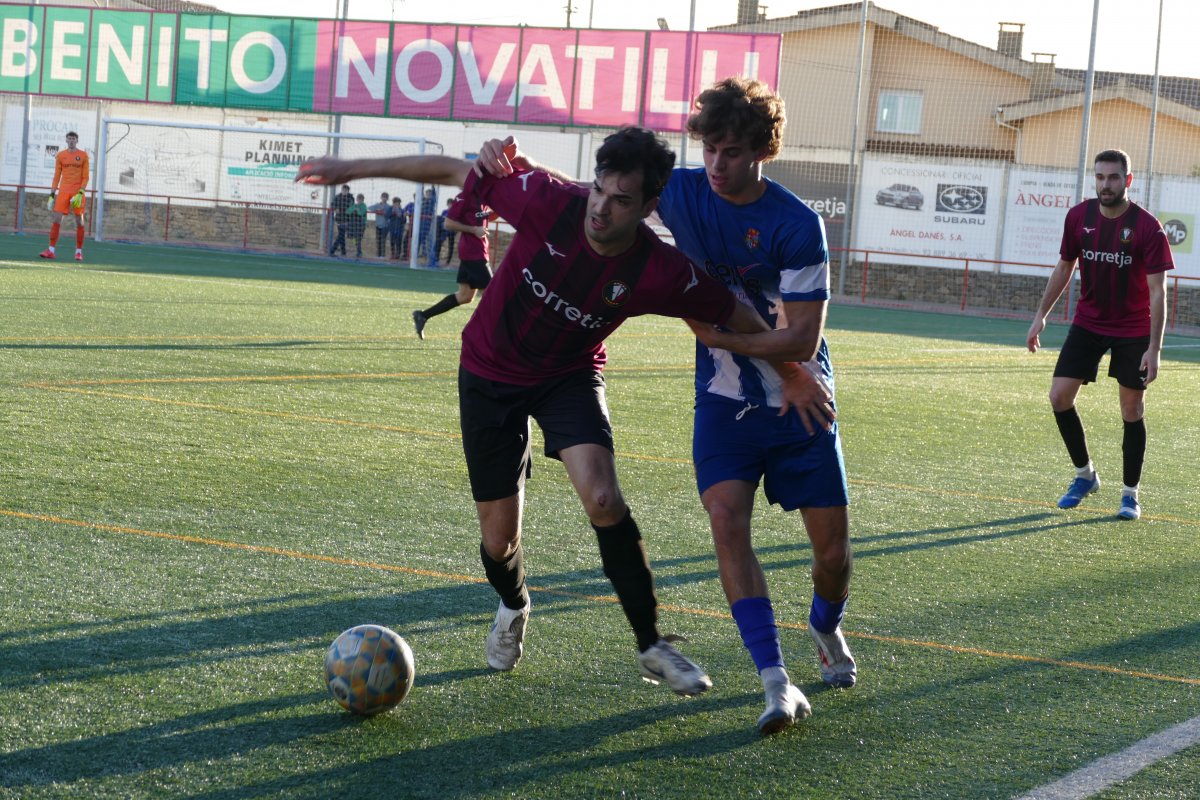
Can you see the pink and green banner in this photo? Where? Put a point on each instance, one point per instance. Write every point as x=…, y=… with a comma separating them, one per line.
x=547, y=76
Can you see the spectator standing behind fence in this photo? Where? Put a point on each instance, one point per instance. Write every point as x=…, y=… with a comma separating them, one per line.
x=466, y=215
x=445, y=234
x=340, y=207
x=396, y=228
x=426, y=238
x=409, y=207
x=383, y=212
x=356, y=223
x=1123, y=258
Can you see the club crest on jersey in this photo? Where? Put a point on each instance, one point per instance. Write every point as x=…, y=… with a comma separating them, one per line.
x=615, y=293
x=752, y=238
x=1126, y=235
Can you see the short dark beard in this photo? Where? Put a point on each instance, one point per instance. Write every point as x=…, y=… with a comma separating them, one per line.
x=1117, y=200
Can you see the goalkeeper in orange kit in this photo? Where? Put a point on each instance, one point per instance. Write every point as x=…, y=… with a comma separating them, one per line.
x=67, y=193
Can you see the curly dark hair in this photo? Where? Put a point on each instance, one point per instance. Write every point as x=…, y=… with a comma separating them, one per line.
x=742, y=107
x=632, y=148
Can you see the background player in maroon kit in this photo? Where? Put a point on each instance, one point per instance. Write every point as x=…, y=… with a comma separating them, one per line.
x=582, y=261
x=1123, y=257
x=467, y=217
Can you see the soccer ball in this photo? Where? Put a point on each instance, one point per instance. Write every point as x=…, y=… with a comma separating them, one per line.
x=369, y=669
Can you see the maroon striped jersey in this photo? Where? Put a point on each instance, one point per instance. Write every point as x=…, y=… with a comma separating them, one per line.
x=553, y=300
x=1115, y=255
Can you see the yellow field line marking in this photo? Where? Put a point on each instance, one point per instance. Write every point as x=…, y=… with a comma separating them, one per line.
x=699, y=612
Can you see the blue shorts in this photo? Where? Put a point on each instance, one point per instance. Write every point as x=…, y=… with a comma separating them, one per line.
x=733, y=442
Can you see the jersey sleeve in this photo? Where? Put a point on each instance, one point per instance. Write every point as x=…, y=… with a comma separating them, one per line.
x=58, y=169
x=804, y=275
x=691, y=292
x=458, y=211
x=84, y=171
x=1157, y=255
x=511, y=196
x=1069, y=249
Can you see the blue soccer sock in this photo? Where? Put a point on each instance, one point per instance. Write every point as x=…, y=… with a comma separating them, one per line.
x=756, y=622
x=825, y=617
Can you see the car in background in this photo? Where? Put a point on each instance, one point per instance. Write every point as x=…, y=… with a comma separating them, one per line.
x=900, y=195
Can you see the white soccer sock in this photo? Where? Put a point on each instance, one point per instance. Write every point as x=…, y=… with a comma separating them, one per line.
x=1088, y=472
x=1131, y=491
x=773, y=676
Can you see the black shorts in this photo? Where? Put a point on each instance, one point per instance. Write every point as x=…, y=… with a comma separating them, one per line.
x=1080, y=356
x=475, y=273
x=494, y=416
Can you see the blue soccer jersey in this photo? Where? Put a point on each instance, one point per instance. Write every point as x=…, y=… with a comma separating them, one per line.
x=766, y=252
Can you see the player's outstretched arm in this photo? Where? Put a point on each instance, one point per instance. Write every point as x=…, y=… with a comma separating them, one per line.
x=441, y=170
x=803, y=391
x=797, y=341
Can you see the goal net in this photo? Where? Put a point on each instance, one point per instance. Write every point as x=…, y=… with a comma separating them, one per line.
x=233, y=186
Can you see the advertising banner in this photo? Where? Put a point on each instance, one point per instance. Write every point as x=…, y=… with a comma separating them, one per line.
x=929, y=209
x=1178, y=199
x=48, y=129
x=458, y=72
x=1038, y=201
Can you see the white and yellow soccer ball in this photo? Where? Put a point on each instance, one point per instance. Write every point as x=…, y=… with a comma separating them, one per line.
x=369, y=669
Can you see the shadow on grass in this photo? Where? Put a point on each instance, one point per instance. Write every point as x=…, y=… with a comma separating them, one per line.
x=866, y=547
x=142, y=643
x=544, y=760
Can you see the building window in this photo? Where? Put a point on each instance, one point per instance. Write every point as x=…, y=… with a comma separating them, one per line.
x=899, y=112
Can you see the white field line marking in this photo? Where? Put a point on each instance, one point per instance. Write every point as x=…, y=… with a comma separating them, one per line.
x=1112, y=769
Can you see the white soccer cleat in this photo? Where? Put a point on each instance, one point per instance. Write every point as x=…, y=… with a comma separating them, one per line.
x=505, y=639
x=837, y=665
x=663, y=662
x=786, y=705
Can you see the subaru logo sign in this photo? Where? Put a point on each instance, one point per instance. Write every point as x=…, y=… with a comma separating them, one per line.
x=958, y=199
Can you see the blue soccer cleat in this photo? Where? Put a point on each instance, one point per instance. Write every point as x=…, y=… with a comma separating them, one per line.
x=1079, y=489
x=1130, y=508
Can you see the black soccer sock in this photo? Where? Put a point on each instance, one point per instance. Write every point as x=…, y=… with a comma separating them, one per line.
x=1133, y=451
x=507, y=577
x=441, y=306
x=625, y=565
x=1071, y=428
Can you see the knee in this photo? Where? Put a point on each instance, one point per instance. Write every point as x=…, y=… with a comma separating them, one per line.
x=1060, y=400
x=604, y=506
x=464, y=295
x=726, y=521
x=500, y=545
x=1132, y=410
x=834, y=558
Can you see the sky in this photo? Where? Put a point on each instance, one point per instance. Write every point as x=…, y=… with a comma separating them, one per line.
x=1125, y=41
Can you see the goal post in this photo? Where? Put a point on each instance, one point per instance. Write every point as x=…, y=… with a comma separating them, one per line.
x=233, y=186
